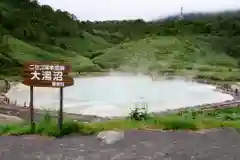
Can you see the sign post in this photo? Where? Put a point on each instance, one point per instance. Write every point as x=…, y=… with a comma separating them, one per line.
x=47, y=74
x=60, y=117
x=31, y=110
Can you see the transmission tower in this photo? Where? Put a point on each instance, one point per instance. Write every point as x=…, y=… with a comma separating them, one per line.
x=181, y=17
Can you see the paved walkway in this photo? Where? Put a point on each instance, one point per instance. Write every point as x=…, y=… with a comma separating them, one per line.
x=137, y=145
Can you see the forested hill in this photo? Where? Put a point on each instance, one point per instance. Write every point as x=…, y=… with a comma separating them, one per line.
x=29, y=31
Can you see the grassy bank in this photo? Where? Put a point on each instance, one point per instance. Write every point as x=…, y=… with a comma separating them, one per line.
x=184, y=120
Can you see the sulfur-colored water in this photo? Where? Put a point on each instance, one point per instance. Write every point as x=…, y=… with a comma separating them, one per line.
x=115, y=95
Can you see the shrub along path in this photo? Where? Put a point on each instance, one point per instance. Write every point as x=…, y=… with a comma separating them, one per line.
x=220, y=144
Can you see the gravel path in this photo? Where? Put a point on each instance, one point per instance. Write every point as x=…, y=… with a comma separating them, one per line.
x=137, y=145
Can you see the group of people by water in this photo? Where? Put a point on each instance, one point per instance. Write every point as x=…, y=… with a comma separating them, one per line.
x=229, y=88
x=4, y=98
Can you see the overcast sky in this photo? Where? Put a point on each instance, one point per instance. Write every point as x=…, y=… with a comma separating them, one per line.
x=132, y=9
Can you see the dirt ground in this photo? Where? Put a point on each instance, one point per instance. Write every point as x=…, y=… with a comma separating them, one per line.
x=221, y=144
x=24, y=114
x=6, y=119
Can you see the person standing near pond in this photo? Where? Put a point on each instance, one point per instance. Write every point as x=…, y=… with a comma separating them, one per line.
x=236, y=92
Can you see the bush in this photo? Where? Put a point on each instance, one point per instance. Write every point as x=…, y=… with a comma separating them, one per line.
x=6, y=128
x=63, y=46
x=139, y=114
x=48, y=126
x=194, y=114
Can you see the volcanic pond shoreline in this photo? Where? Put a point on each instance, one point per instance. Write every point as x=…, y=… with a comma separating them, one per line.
x=23, y=112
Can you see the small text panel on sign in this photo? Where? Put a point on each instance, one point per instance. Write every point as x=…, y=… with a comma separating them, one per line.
x=53, y=84
x=29, y=66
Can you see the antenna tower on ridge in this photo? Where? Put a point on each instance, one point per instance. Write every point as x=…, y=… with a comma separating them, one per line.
x=181, y=13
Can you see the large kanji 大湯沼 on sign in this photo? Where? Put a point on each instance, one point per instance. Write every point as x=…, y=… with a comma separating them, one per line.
x=47, y=74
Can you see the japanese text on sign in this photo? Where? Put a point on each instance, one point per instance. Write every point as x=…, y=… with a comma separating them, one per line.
x=48, y=73
x=47, y=67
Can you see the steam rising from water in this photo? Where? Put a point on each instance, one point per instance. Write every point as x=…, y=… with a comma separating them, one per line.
x=115, y=94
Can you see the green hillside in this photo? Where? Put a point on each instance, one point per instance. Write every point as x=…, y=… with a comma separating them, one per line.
x=187, y=55
x=201, y=45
